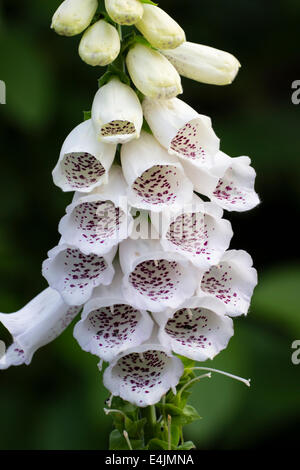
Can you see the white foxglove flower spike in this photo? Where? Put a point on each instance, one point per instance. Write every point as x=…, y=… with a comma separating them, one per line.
x=232, y=282
x=75, y=275
x=83, y=162
x=124, y=12
x=203, y=63
x=97, y=222
x=182, y=131
x=35, y=325
x=154, y=279
x=159, y=28
x=155, y=178
x=109, y=324
x=73, y=16
x=152, y=73
x=197, y=232
x=100, y=44
x=199, y=329
x=142, y=375
x=117, y=114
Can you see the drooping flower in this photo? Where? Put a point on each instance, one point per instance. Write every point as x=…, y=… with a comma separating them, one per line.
x=159, y=28
x=35, y=325
x=109, y=324
x=199, y=329
x=75, y=275
x=73, y=16
x=99, y=221
x=154, y=279
x=117, y=114
x=84, y=161
x=155, y=179
x=152, y=73
x=231, y=281
x=100, y=44
x=203, y=63
x=124, y=12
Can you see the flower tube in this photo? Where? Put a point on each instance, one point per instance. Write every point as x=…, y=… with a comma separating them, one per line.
x=124, y=12
x=100, y=44
x=117, y=114
x=83, y=162
x=73, y=16
x=203, y=64
x=160, y=29
x=155, y=178
x=35, y=325
x=152, y=73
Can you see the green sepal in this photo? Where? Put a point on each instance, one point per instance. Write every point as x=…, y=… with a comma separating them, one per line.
x=149, y=2
x=118, y=442
x=113, y=71
x=87, y=115
x=135, y=429
x=146, y=127
x=133, y=38
x=188, y=415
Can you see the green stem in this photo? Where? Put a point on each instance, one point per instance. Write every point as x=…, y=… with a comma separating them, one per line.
x=150, y=414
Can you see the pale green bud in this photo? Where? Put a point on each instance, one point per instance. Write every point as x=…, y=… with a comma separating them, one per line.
x=100, y=44
x=125, y=12
x=73, y=16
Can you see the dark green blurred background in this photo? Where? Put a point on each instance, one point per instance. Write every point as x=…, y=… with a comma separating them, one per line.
x=57, y=402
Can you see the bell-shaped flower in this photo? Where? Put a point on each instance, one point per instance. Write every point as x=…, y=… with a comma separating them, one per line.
x=152, y=73
x=199, y=329
x=84, y=161
x=197, y=232
x=182, y=131
x=100, y=44
x=160, y=29
x=117, y=114
x=154, y=279
x=142, y=375
x=125, y=12
x=73, y=16
x=203, y=63
x=109, y=324
x=35, y=325
x=231, y=281
x=75, y=275
x=97, y=222
x=155, y=179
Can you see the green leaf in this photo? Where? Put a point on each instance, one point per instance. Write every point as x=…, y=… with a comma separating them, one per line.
x=87, y=115
x=158, y=444
x=135, y=428
x=188, y=415
x=188, y=445
x=169, y=409
x=118, y=442
x=113, y=71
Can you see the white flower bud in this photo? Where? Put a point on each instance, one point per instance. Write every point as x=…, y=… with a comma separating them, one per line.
x=73, y=16
x=100, y=44
x=152, y=73
x=203, y=64
x=160, y=29
x=125, y=12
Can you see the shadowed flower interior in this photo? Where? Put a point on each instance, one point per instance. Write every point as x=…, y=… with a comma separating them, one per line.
x=158, y=185
x=188, y=143
x=81, y=170
x=117, y=128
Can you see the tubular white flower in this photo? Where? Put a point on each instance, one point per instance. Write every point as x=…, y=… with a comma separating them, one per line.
x=125, y=12
x=155, y=178
x=160, y=29
x=109, y=324
x=75, y=275
x=181, y=130
x=142, y=375
x=152, y=73
x=73, y=16
x=117, y=114
x=232, y=282
x=197, y=232
x=83, y=162
x=99, y=221
x=100, y=44
x=199, y=329
x=203, y=63
x=35, y=325
x=155, y=279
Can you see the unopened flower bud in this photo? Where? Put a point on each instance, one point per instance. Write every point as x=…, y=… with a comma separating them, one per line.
x=125, y=12
x=100, y=44
x=73, y=16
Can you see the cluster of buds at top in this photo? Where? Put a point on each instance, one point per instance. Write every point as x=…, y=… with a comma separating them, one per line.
x=144, y=249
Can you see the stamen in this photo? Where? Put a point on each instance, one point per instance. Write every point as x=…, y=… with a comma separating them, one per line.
x=107, y=411
x=111, y=309
x=156, y=263
x=109, y=400
x=236, y=377
x=141, y=357
x=125, y=434
x=190, y=313
x=192, y=381
x=100, y=364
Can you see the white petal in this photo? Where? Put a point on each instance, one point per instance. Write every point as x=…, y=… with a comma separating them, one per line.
x=155, y=279
x=35, y=325
x=100, y=44
x=117, y=114
x=232, y=282
x=99, y=221
x=125, y=12
x=198, y=330
x=75, y=275
x=83, y=162
x=73, y=16
x=154, y=177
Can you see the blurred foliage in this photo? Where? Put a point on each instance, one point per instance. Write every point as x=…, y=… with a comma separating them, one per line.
x=57, y=402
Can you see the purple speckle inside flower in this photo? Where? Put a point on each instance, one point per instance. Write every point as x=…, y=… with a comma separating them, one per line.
x=187, y=143
x=219, y=282
x=81, y=170
x=117, y=128
x=227, y=190
x=158, y=185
